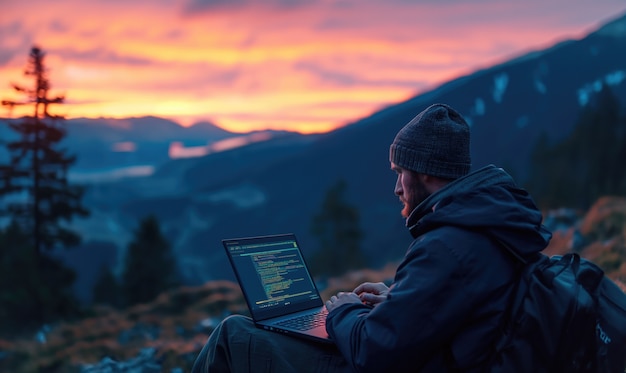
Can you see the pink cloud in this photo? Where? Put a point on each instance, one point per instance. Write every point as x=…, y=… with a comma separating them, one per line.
x=253, y=64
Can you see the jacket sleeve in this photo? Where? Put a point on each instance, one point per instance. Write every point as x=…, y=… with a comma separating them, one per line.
x=425, y=306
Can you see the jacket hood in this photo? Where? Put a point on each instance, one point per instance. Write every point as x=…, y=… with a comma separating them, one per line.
x=489, y=201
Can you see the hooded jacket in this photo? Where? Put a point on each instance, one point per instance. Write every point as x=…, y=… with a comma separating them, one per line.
x=452, y=288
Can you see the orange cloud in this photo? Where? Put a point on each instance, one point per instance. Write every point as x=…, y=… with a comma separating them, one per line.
x=309, y=66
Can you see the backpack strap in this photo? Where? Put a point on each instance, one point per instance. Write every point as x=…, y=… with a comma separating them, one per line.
x=514, y=299
x=516, y=256
x=521, y=262
x=449, y=360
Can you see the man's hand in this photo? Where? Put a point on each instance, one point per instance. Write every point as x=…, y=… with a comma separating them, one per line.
x=372, y=293
x=341, y=298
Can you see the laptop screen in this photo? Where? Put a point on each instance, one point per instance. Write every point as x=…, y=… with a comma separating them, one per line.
x=273, y=275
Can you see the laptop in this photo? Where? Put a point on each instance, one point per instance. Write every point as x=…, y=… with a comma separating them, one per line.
x=277, y=285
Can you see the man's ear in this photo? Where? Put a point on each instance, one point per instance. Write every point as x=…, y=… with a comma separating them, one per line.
x=426, y=179
x=432, y=183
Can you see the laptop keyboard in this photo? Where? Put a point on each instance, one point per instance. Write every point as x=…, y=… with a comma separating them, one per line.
x=306, y=322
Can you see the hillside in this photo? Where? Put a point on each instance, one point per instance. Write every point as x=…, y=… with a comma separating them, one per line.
x=169, y=332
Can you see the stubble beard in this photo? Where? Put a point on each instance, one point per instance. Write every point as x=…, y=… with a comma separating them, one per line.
x=408, y=208
x=418, y=194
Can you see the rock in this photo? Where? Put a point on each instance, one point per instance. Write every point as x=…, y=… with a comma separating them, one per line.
x=145, y=362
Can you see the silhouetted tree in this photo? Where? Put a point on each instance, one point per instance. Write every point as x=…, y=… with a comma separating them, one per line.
x=588, y=163
x=149, y=266
x=36, y=174
x=337, y=229
x=107, y=289
x=31, y=294
x=36, y=197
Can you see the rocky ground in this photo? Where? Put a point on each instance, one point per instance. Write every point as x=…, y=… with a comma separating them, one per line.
x=162, y=336
x=166, y=333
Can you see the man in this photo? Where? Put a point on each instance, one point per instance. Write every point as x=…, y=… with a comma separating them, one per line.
x=450, y=292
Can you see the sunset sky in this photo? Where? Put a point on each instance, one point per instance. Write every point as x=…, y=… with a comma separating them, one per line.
x=301, y=65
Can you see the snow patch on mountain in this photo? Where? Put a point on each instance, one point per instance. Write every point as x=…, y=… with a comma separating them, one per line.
x=500, y=82
x=611, y=79
x=540, y=86
x=479, y=106
x=539, y=74
x=615, y=78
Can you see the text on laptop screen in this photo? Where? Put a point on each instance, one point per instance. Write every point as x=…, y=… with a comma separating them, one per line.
x=272, y=273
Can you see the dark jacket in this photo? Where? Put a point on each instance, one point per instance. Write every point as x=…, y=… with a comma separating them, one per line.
x=452, y=287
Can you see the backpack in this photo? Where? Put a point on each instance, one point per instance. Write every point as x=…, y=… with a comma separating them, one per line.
x=565, y=316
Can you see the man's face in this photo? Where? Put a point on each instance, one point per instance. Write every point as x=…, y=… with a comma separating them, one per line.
x=409, y=188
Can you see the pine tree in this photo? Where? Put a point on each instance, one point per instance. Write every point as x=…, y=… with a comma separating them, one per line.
x=588, y=163
x=337, y=229
x=107, y=290
x=37, y=199
x=33, y=289
x=18, y=280
x=149, y=265
x=38, y=168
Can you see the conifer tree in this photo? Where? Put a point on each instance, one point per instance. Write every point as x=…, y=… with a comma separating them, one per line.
x=588, y=163
x=37, y=199
x=107, y=289
x=337, y=229
x=149, y=265
x=34, y=289
x=38, y=167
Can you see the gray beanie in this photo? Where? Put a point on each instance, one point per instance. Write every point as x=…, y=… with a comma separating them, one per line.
x=436, y=142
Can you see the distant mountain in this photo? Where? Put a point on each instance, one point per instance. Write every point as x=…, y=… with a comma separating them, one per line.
x=116, y=143
x=112, y=146
x=107, y=143
x=277, y=186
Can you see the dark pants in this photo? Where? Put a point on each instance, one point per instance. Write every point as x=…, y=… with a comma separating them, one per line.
x=236, y=345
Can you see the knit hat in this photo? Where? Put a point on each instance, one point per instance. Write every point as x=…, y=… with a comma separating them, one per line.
x=436, y=142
